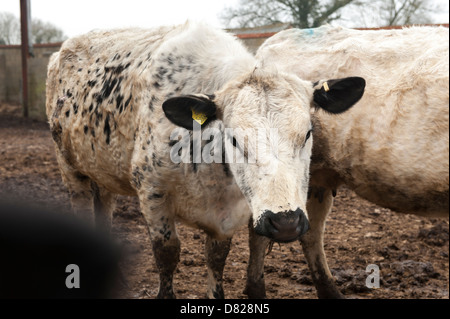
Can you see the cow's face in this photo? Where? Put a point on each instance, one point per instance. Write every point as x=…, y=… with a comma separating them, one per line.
x=267, y=140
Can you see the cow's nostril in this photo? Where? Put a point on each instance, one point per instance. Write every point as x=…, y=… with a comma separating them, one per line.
x=283, y=226
x=272, y=223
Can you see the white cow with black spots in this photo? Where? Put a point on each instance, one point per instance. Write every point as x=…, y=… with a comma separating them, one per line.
x=115, y=99
x=392, y=148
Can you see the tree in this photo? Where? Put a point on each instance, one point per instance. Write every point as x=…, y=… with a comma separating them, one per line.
x=9, y=28
x=41, y=32
x=313, y=13
x=377, y=13
x=300, y=13
x=45, y=32
x=399, y=12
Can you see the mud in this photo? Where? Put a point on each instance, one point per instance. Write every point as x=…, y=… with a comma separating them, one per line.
x=411, y=252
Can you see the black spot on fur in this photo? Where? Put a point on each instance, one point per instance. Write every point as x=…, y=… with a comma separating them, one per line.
x=127, y=102
x=156, y=161
x=138, y=177
x=170, y=59
x=107, y=129
x=86, y=129
x=160, y=73
x=119, y=104
x=68, y=113
x=75, y=108
x=153, y=100
x=116, y=70
x=170, y=78
x=108, y=86
x=119, y=81
x=98, y=98
x=92, y=83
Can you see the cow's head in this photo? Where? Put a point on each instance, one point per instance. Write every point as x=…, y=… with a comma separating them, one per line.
x=268, y=139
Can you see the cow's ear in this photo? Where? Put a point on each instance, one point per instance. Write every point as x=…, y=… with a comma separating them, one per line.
x=185, y=110
x=337, y=96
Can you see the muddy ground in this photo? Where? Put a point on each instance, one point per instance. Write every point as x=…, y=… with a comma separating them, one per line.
x=412, y=252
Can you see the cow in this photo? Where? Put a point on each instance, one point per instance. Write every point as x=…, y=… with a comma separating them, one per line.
x=392, y=148
x=119, y=104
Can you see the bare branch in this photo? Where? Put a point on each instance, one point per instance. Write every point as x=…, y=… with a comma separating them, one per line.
x=313, y=13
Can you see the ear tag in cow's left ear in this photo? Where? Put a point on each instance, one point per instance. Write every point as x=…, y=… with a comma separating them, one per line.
x=200, y=118
x=325, y=86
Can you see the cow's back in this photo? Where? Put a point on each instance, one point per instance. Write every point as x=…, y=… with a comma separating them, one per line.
x=96, y=88
x=393, y=146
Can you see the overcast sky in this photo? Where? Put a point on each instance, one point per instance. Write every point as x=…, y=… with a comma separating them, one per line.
x=80, y=16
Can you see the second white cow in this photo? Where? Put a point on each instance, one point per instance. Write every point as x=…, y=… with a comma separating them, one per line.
x=392, y=148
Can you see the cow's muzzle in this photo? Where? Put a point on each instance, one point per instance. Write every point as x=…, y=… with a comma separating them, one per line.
x=284, y=226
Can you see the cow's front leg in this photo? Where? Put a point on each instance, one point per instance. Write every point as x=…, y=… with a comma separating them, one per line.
x=167, y=256
x=318, y=206
x=216, y=254
x=255, y=287
x=165, y=242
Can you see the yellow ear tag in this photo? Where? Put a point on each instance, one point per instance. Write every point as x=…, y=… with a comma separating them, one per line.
x=200, y=118
x=325, y=86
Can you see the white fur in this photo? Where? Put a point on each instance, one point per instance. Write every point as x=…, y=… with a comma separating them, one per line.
x=393, y=146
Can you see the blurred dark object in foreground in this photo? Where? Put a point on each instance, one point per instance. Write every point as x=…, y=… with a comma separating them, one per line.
x=36, y=246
